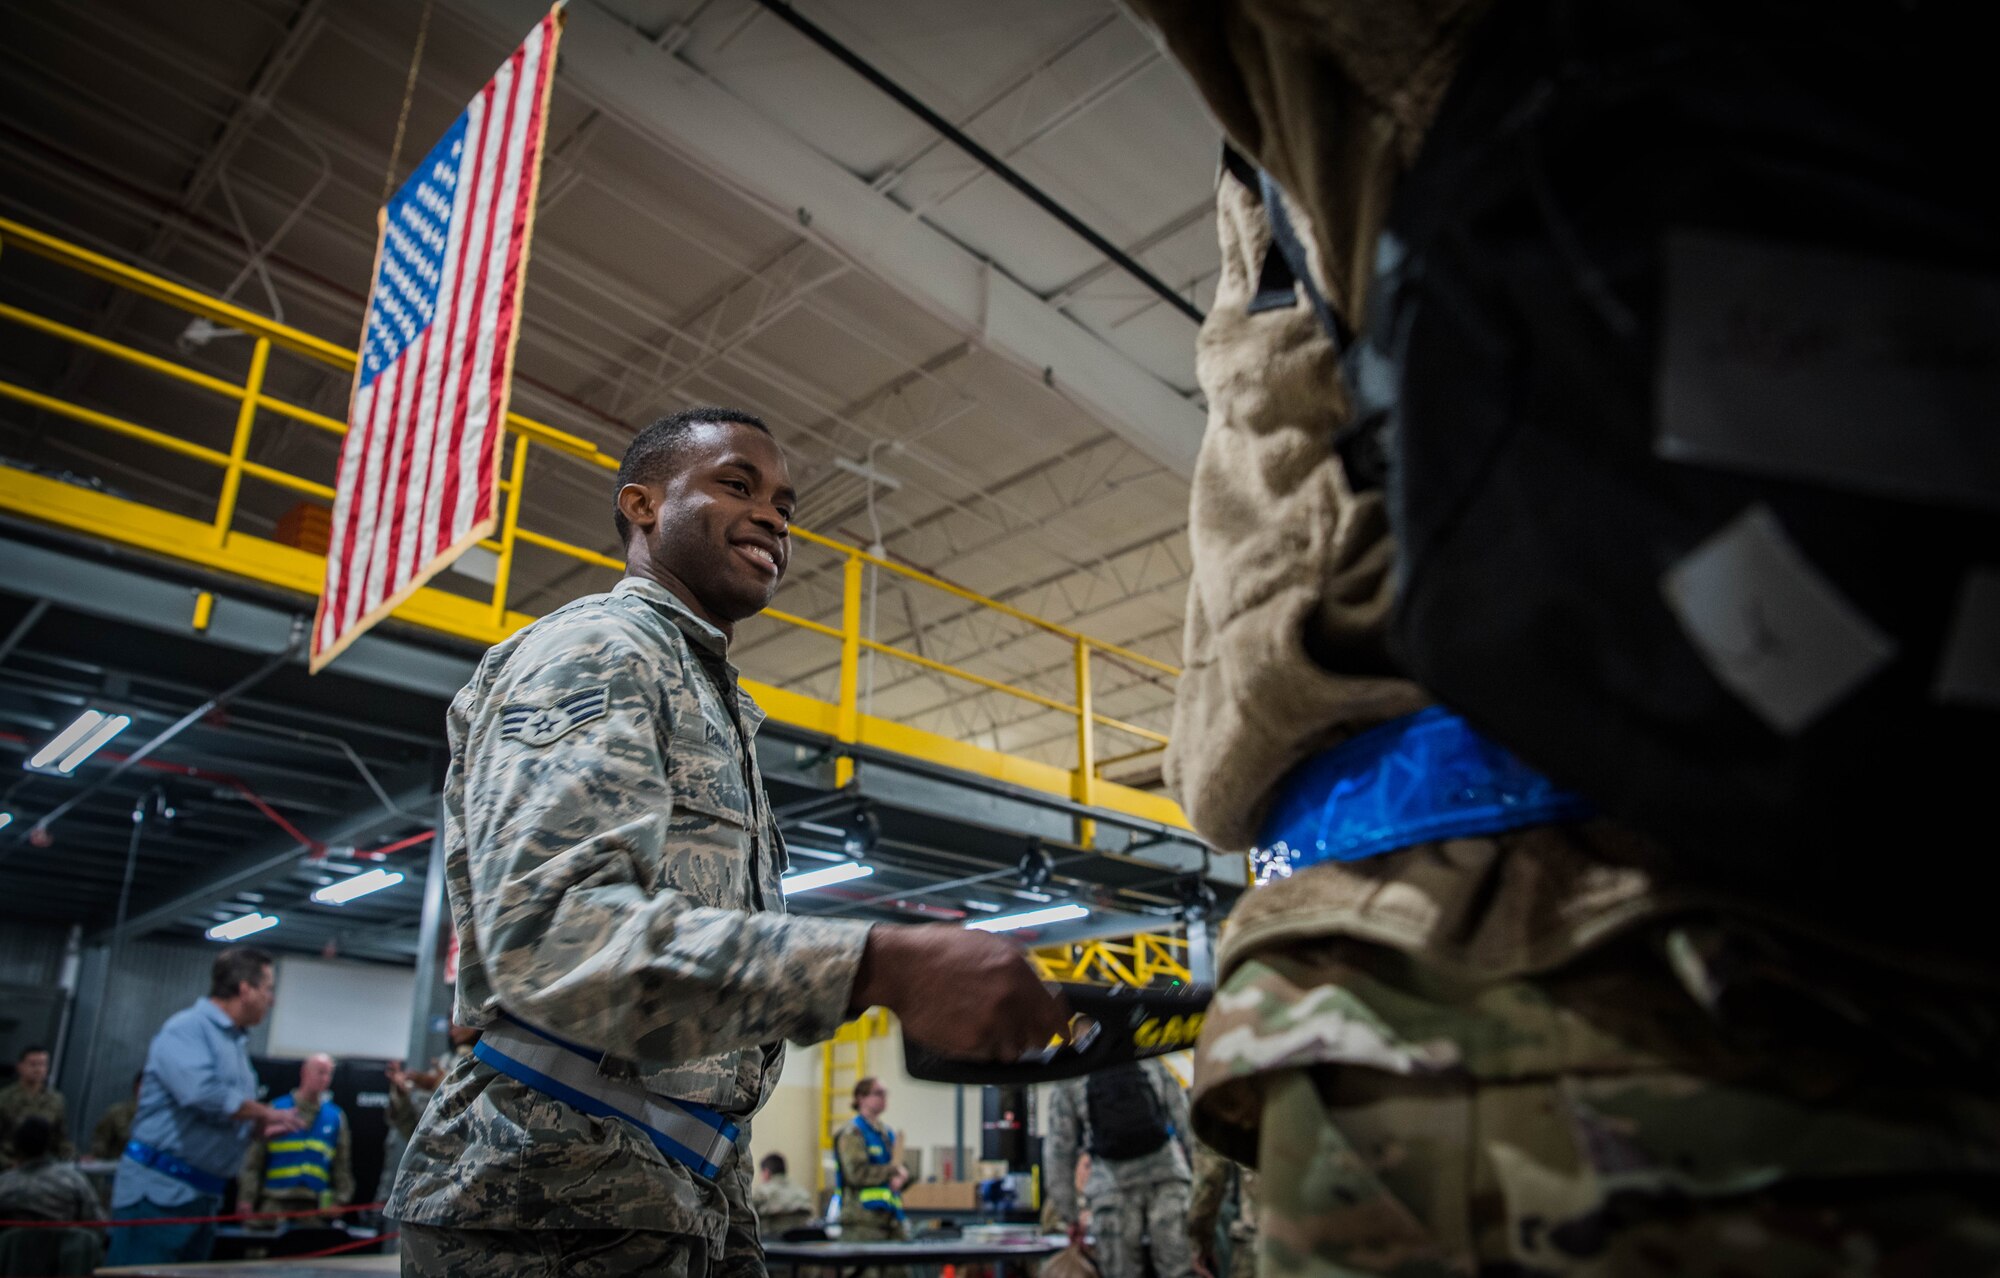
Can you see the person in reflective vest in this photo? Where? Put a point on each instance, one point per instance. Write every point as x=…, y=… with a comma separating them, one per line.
x=306, y=1169
x=871, y=1177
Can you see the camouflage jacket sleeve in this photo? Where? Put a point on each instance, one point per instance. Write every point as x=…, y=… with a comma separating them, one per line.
x=251, y=1178
x=343, y=1164
x=1059, y=1163
x=742, y=1252
x=855, y=1169
x=597, y=914
x=1175, y=1098
x=1211, y=1181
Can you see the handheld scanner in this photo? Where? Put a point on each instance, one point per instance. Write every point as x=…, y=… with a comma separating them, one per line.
x=1108, y=1026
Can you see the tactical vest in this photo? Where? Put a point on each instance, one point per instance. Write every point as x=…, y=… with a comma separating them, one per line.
x=874, y=1197
x=303, y=1160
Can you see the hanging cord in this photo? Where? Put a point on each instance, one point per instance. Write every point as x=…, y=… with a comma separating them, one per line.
x=409, y=94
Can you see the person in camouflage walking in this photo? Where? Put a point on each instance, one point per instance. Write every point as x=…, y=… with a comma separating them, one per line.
x=1216, y=1181
x=613, y=867
x=1133, y=1121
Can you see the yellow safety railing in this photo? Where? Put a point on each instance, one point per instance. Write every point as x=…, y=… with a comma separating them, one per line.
x=218, y=544
x=1142, y=961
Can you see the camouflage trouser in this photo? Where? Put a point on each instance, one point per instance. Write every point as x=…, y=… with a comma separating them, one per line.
x=1126, y=1226
x=1242, y=1254
x=431, y=1252
x=875, y=1226
x=1600, y=1121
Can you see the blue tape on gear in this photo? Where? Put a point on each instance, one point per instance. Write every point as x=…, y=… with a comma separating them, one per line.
x=1418, y=779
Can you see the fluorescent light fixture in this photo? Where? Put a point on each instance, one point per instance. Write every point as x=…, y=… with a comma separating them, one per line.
x=237, y=929
x=806, y=882
x=360, y=885
x=79, y=740
x=1033, y=918
x=984, y=907
x=91, y=744
x=831, y=831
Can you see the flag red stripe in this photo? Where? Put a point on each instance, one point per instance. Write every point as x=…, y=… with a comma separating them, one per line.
x=448, y=512
x=411, y=428
x=517, y=241
x=357, y=560
x=374, y=582
x=451, y=405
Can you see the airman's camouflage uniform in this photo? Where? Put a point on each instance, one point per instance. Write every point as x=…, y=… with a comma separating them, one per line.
x=1136, y=1204
x=1215, y=1179
x=613, y=867
x=47, y=1189
x=1547, y=1052
x=781, y=1205
x=18, y=1103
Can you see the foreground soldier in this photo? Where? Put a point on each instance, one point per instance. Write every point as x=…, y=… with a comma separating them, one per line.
x=614, y=868
x=1546, y=1051
x=1132, y=1119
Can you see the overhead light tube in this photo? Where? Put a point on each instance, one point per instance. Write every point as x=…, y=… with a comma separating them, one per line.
x=67, y=739
x=360, y=885
x=1032, y=918
x=103, y=732
x=843, y=873
x=238, y=928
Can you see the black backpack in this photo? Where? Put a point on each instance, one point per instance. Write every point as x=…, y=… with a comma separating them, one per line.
x=1126, y=1119
x=1654, y=535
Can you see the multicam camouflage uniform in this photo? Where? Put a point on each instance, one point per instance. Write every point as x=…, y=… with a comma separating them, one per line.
x=1215, y=1179
x=1136, y=1204
x=18, y=1103
x=613, y=867
x=1546, y=1052
x=781, y=1205
x=113, y=1130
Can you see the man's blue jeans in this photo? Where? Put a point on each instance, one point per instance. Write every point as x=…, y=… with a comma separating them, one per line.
x=154, y=1244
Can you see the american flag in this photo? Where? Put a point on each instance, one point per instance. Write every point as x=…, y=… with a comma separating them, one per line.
x=419, y=469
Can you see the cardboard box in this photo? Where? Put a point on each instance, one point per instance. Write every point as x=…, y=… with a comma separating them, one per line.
x=942, y=1195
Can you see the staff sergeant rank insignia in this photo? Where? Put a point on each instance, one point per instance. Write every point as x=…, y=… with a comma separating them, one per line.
x=544, y=725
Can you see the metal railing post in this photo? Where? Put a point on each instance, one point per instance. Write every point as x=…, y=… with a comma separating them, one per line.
x=239, y=448
x=848, y=725
x=510, y=526
x=1083, y=785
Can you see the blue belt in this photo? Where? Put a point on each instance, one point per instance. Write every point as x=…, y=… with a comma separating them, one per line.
x=179, y=1168
x=1418, y=779
x=693, y=1135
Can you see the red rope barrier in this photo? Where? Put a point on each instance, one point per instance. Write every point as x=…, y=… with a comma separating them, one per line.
x=356, y=1245
x=189, y=1220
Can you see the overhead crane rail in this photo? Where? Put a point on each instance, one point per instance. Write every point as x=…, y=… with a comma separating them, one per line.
x=218, y=545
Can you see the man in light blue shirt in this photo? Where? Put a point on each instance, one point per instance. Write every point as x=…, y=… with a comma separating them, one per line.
x=198, y=1112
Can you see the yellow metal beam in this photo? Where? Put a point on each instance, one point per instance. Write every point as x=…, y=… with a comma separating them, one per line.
x=216, y=545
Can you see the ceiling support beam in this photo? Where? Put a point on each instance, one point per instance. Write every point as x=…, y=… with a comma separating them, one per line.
x=247, y=871
x=618, y=70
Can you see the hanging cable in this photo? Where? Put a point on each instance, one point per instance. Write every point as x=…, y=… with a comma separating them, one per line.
x=409, y=94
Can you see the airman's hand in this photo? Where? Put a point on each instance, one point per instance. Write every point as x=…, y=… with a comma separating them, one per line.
x=969, y=995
